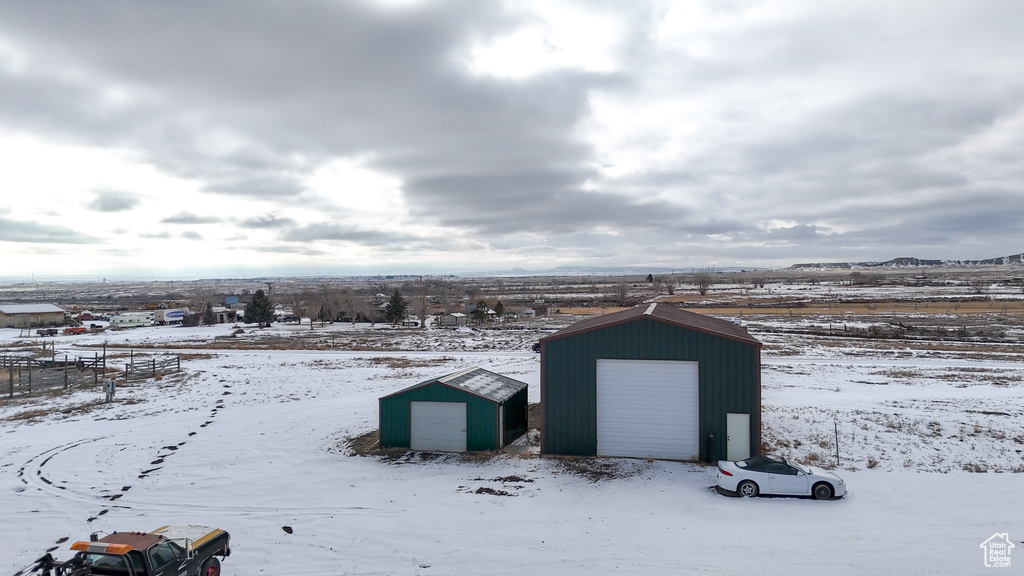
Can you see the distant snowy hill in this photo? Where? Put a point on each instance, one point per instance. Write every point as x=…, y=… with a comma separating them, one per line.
x=1013, y=260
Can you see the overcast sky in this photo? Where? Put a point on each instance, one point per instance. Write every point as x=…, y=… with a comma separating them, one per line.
x=196, y=138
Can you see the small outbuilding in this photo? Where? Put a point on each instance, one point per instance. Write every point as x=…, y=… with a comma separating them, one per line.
x=652, y=382
x=469, y=410
x=454, y=319
x=28, y=315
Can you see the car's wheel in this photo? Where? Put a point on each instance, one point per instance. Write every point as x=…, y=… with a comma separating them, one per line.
x=747, y=489
x=210, y=568
x=822, y=491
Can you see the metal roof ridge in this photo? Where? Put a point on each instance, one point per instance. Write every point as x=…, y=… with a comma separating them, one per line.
x=455, y=375
x=650, y=309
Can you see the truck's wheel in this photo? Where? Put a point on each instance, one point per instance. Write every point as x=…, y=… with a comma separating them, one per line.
x=210, y=568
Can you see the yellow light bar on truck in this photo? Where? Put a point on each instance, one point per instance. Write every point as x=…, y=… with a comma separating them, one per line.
x=101, y=548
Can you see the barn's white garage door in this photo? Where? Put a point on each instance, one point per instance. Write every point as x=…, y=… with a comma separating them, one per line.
x=648, y=409
x=438, y=426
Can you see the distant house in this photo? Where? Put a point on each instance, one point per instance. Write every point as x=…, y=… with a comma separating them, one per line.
x=453, y=320
x=27, y=315
x=225, y=315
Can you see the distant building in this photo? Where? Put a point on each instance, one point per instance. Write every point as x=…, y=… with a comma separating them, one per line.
x=652, y=382
x=27, y=315
x=453, y=320
x=225, y=315
x=473, y=409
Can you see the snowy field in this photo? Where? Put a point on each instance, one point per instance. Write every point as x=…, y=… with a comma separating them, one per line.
x=254, y=440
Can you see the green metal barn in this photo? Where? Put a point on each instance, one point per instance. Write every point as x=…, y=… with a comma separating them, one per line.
x=469, y=410
x=652, y=382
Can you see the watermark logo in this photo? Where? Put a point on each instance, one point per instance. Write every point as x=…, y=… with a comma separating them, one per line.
x=997, y=550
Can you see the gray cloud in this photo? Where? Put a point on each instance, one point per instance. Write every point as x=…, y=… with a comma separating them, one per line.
x=191, y=235
x=337, y=232
x=112, y=201
x=35, y=232
x=269, y=186
x=267, y=221
x=190, y=218
x=818, y=131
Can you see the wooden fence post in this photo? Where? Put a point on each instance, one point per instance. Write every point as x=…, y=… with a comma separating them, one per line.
x=65, y=371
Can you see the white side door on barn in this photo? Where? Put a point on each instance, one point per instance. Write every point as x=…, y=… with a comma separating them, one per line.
x=648, y=409
x=737, y=438
x=437, y=426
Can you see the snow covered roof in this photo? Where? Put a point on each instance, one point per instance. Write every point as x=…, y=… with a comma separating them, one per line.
x=476, y=381
x=30, y=308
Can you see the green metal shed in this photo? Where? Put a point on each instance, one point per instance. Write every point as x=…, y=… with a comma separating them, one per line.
x=469, y=410
x=652, y=382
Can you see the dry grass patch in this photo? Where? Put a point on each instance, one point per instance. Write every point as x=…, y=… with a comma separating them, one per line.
x=395, y=362
x=598, y=469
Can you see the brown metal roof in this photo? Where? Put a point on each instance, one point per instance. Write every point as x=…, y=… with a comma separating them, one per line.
x=661, y=313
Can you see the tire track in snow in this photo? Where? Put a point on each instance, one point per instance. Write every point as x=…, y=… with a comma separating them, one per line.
x=35, y=472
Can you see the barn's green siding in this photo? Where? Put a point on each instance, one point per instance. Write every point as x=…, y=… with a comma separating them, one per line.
x=515, y=409
x=729, y=381
x=482, y=417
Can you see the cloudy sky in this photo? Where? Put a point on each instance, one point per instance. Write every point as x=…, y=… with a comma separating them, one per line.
x=188, y=139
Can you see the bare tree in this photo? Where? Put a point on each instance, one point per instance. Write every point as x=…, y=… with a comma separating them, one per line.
x=703, y=280
x=419, y=305
x=199, y=298
x=329, y=299
x=354, y=306
x=621, y=293
x=299, y=301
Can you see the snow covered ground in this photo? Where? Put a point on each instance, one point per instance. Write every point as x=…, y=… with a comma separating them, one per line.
x=253, y=440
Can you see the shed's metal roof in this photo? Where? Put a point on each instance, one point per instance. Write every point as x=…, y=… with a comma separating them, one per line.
x=661, y=313
x=29, y=308
x=476, y=381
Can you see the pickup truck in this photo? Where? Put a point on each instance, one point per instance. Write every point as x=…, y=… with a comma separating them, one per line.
x=76, y=330
x=177, y=550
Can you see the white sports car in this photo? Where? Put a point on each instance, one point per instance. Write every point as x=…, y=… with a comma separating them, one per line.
x=778, y=476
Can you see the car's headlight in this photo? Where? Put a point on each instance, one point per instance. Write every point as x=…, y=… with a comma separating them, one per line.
x=841, y=481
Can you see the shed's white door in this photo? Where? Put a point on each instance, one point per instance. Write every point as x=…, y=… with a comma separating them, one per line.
x=438, y=426
x=648, y=409
x=737, y=440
